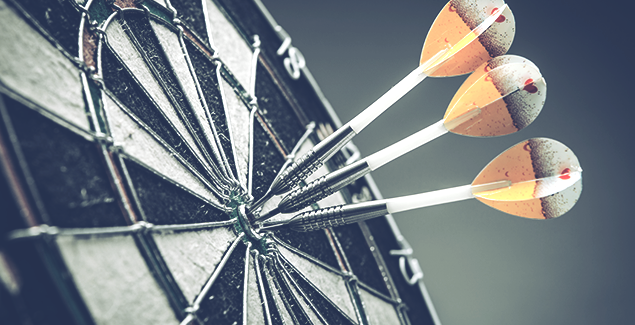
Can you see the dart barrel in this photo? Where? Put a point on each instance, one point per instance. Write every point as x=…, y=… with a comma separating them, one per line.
x=337, y=216
x=323, y=187
x=311, y=161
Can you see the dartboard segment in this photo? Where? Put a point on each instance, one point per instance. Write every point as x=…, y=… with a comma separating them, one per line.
x=35, y=69
x=254, y=298
x=58, y=21
x=65, y=168
x=223, y=303
x=116, y=290
x=234, y=50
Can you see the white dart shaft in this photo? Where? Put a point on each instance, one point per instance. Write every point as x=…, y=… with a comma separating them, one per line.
x=421, y=200
x=359, y=122
x=406, y=145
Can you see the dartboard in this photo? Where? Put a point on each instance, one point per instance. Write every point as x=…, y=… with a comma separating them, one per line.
x=135, y=137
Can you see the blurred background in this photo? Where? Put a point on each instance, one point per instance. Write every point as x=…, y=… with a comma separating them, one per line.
x=482, y=266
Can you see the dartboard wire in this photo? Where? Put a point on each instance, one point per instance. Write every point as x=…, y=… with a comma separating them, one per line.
x=210, y=166
x=278, y=241
x=254, y=66
x=91, y=111
x=11, y=173
x=203, y=293
x=370, y=240
x=214, y=142
x=261, y=288
x=166, y=146
x=273, y=281
x=338, y=251
x=184, y=30
x=378, y=294
x=254, y=109
x=272, y=295
x=208, y=26
x=130, y=186
x=286, y=93
x=44, y=229
x=246, y=282
x=193, y=226
x=224, y=100
x=56, y=267
x=189, y=319
x=160, y=271
x=154, y=135
x=303, y=294
x=26, y=173
x=250, y=163
x=199, y=142
x=397, y=305
x=358, y=304
x=226, y=169
x=288, y=293
x=350, y=279
x=115, y=178
x=347, y=279
x=290, y=283
x=117, y=184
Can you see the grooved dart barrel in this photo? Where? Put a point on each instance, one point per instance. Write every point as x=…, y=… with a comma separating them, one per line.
x=312, y=160
x=323, y=187
x=337, y=216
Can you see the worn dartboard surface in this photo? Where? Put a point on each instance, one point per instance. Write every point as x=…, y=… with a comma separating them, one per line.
x=135, y=135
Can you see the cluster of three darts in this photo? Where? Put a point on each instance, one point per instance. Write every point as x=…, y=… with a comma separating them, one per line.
x=538, y=178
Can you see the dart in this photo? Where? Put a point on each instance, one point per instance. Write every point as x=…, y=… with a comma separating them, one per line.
x=464, y=35
x=503, y=95
x=538, y=178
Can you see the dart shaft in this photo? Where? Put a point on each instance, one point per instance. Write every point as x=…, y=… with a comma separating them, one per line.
x=406, y=145
x=312, y=160
x=447, y=195
x=421, y=200
x=359, y=122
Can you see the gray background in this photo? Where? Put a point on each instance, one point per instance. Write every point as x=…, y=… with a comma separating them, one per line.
x=483, y=266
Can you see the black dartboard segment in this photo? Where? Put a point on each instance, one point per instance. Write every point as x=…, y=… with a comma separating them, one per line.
x=130, y=194
x=68, y=171
x=163, y=202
